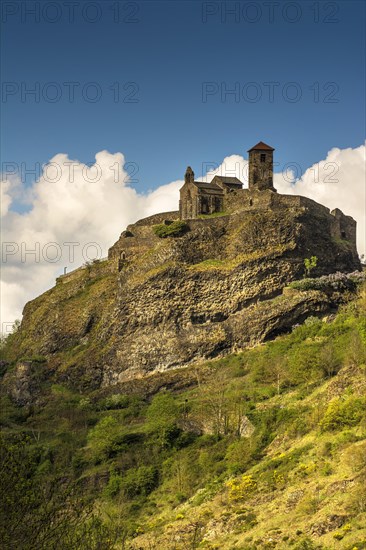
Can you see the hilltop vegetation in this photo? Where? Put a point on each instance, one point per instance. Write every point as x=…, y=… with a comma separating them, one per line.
x=262, y=449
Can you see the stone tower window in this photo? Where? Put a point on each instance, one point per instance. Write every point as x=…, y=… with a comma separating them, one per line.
x=263, y=157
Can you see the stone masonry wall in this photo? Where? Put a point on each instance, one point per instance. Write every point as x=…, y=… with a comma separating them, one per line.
x=139, y=237
x=91, y=271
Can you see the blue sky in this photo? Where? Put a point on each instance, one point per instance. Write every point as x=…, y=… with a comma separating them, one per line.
x=168, y=51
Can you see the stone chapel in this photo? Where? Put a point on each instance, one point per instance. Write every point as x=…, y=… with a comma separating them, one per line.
x=199, y=198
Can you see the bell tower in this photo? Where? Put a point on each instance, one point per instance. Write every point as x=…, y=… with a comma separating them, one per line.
x=261, y=167
x=189, y=175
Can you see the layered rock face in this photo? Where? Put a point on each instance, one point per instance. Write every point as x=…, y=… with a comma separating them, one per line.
x=212, y=288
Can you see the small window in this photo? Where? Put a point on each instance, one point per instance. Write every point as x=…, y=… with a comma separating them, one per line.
x=343, y=234
x=263, y=157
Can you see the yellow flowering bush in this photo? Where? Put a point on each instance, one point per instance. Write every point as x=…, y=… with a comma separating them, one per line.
x=241, y=488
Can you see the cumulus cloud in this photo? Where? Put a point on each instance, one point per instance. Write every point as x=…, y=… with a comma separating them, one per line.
x=7, y=187
x=234, y=166
x=76, y=212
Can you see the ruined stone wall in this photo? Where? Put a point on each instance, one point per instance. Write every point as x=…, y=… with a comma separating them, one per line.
x=337, y=224
x=343, y=227
x=244, y=199
x=90, y=271
x=156, y=218
x=139, y=237
x=74, y=275
x=130, y=244
x=340, y=226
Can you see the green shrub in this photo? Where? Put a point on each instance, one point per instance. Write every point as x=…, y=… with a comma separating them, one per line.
x=306, y=544
x=312, y=320
x=300, y=425
x=78, y=462
x=42, y=508
x=174, y=229
x=102, y=437
x=113, y=486
x=310, y=264
x=326, y=449
x=161, y=417
x=140, y=481
x=305, y=362
x=327, y=469
x=117, y=401
x=343, y=412
x=239, y=455
x=355, y=457
x=357, y=499
x=344, y=438
x=330, y=360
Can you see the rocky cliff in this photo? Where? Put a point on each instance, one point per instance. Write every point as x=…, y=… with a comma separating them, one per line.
x=197, y=290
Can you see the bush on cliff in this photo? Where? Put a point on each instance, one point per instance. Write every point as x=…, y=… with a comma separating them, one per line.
x=174, y=229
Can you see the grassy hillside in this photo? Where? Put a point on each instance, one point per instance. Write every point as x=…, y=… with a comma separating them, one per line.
x=261, y=449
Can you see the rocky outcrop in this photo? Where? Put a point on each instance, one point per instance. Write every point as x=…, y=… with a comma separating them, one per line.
x=23, y=383
x=163, y=303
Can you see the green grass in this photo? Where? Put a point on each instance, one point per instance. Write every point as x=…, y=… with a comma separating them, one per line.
x=174, y=229
x=213, y=263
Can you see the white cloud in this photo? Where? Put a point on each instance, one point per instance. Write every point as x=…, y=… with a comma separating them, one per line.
x=234, y=166
x=72, y=203
x=6, y=188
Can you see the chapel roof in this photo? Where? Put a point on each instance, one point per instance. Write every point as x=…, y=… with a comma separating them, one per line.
x=205, y=186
